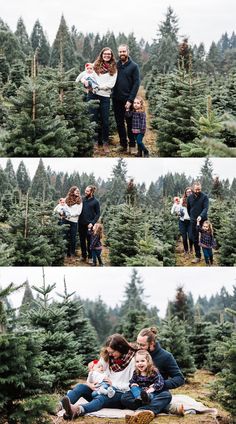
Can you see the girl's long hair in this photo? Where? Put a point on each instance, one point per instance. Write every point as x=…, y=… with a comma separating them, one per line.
x=71, y=199
x=98, y=64
x=150, y=365
x=142, y=105
x=98, y=229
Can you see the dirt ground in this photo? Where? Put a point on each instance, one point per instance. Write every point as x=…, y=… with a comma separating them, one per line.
x=149, y=140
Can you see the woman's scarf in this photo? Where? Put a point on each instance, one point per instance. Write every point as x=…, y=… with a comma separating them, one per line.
x=104, y=68
x=121, y=363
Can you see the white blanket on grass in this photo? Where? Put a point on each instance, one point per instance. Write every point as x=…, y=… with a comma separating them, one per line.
x=190, y=406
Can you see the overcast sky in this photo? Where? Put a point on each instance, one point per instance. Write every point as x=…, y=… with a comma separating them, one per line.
x=159, y=283
x=143, y=170
x=150, y=170
x=202, y=21
x=222, y=167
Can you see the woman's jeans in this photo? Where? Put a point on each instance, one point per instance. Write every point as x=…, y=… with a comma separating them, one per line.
x=184, y=228
x=157, y=404
x=100, y=114
x=208, y=255
x=72, y=237
x=99, y=402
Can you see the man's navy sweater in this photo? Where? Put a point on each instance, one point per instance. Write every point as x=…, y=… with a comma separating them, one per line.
x=90, y=211
x=168, y=368
x=127, y=82
x=197, y=206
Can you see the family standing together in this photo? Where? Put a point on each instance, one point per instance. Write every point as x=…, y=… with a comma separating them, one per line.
x=80, y=215
x=105, y=79
x=128, y=376
x=195, y=228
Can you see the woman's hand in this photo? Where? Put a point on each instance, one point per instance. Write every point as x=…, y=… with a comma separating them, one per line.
x=92, y=386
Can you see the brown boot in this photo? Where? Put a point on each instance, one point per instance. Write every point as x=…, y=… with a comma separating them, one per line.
x=144, y=417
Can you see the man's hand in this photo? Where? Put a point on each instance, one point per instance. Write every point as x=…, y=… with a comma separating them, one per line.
x=128, y=105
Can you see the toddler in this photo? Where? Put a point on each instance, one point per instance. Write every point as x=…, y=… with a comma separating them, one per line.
x=88, y=78
x=97, y=376
x=206, y=241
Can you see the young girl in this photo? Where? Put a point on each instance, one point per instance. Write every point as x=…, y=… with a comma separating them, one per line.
x=207, y=241
x=139, y=125
x=147, y=380
x=96, y=233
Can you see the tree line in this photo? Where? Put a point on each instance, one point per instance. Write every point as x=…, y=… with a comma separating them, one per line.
x=53, y=340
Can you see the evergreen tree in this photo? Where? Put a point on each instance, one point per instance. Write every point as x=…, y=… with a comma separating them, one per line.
x=60, y=359
x=23, y=178
x=179, y=103
x=33, y=128
x=221, y=332
x=224, y=389
x=10, y=46
x=40, y=44
x=228, y=239
x=87, y=49
x=40, y=185
x=99, y=316
x=28, y=299
x=22, y=384
x=206, y=176
x=199, y=340
x=23, y=37
x=182, y=306
x=174, y=339
x=126, y=229
x=63, y=53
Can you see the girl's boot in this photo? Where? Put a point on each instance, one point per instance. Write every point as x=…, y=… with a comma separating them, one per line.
x=139, y=154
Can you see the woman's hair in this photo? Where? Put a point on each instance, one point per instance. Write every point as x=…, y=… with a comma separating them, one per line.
x=98, y=64
x=71, y=199
x=210, y=226
x=98, y=229
x=184, y=198
x=150, y=333
x=150, y=365
x=116, y=342
x=142, y=105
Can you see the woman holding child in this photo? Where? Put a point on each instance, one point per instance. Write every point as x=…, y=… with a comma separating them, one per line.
x=104, y=74
x=118, y=359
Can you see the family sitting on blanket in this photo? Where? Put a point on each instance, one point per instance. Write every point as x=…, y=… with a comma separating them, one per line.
x=137, y=377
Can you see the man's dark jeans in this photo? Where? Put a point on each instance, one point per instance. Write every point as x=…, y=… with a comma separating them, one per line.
x=119, y=112
x=158, y=404
x=85, y=241
x=194, y=234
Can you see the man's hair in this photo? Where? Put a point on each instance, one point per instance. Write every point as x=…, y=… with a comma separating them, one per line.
x=92, y=188
x=196, y=183
x=150, y=333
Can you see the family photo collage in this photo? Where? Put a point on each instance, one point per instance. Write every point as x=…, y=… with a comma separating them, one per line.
x=117, y=212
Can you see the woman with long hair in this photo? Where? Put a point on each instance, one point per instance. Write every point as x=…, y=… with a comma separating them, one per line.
x=106, y=73
x=118, y=358
x=73, y=208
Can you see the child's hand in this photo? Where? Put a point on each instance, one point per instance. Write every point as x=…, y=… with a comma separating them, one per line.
x=199, y=218
x=150, y=389
x=108, y=381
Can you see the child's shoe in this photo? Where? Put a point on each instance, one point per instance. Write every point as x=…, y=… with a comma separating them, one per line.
x=110, y=392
